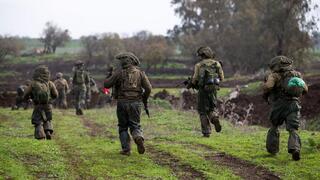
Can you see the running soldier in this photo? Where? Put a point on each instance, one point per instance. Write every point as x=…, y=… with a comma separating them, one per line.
x=132, y=87
x=63, y=89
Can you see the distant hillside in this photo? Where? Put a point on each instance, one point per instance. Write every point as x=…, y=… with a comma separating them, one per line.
x=72, y=47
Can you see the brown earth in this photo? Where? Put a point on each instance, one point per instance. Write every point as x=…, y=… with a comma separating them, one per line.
x=182, y=171
x=242, y=168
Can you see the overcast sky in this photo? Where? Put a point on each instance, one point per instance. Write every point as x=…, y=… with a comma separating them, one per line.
x=84, y=17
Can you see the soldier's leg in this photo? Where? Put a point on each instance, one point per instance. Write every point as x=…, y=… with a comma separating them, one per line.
x=135, y=127
x=38, y=124
x=294, y=142
x=205, y=124
x=77, y=100
x=123, y=125
x=47, y=125
x=272, y=143
x=82, y=101
x=214, y=119
x=64, y=100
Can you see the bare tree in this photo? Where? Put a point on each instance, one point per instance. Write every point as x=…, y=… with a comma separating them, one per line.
x=10, y=46
x=53, y=37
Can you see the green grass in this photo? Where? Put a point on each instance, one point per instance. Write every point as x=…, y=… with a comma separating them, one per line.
x=168, y=76
x=172, y=91
x=74, y=153
x=42, y=58
x=4, y=74
x=71, y=47
x=252, y=88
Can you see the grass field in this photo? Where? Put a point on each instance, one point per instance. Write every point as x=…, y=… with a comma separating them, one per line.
x=87, y=148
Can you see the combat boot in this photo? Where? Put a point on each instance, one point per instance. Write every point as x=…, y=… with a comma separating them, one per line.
x=217, y=126
x=140, y=145
x=80, y=112
x=296, y=155
x=126, y=153
x=206, y=135
x=48, y=135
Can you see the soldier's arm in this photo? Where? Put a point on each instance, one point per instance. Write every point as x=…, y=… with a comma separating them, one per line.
x=66, y=85
x=220, y=72
x=112, y=80
x=270, y=83
x=146, y=85
x=27, y=93
x=53, y=90
x=195, y=77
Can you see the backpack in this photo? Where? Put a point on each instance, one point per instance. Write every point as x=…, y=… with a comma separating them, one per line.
x=40, y=92
x=20, y=91
x=292, y=84
x=208, y=75
x=131, y=83
x=79, y=77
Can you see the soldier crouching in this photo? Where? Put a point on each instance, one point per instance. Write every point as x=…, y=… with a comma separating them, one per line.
x=131, y=87
x=42, y=91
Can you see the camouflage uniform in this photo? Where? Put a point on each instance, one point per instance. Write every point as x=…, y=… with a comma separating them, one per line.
x=81, y=87
x=63, y=89
x=20, y=101
x=131, y=87
x=42, y=113
x=207, y=100
x=285, y=108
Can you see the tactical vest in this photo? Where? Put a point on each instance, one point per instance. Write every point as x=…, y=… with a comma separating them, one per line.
x=79, y=77
x=130, y=84
x=40, y=92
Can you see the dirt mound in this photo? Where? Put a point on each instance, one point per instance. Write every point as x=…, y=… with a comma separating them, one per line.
x=311, y=102
x=255, y=110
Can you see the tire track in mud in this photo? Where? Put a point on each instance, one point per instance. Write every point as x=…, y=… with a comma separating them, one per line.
x=71, y=154
x=239, y=167
x=180, y=170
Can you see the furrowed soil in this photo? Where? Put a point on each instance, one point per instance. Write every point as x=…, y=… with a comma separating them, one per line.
x=87, y=147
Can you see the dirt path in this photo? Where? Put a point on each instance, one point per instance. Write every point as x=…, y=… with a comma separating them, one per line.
x=180, y=170
x=96, y=129
x=239, y=167
x=242, y=168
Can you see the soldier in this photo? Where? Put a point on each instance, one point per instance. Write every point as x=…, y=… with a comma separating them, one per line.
x=285, y=104
x=132, y=87
x=20, y=102
x=81, y=86
x=42, y=91
x=206, y=78
x=63, y=89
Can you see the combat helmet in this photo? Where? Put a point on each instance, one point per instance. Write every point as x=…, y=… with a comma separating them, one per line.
x=59, y=75
x=79, y=63
x=41, y=73
x=280, y=63
x=128, y=58
x=205, y=52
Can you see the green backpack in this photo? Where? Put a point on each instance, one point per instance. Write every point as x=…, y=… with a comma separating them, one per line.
x=292, y=85
x=208, y=75
x=40, y=92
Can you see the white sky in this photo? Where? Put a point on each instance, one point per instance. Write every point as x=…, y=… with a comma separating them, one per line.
x=84, y=17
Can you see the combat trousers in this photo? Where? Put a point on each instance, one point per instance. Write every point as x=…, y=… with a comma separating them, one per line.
x=128, y=114
x=287, y=111
x=41, y=119
x=207, y=103
x=61, y=101
x=80, y=97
